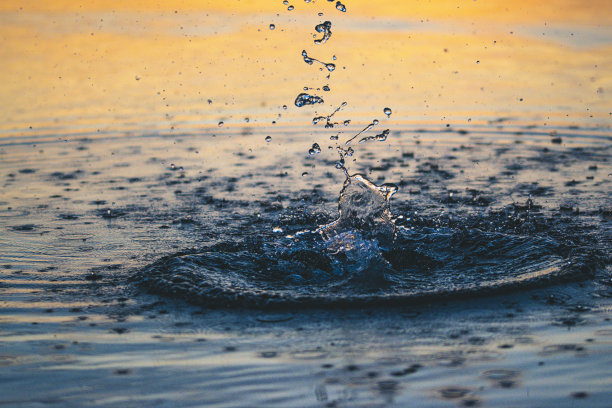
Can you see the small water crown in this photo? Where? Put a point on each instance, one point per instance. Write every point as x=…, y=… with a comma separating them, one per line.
x=364, y=210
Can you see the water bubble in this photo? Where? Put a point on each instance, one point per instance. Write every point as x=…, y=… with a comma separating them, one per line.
x=220, y=123
x=272, y=26
x=387, y=112
x=268, y=138
x=306, y=99
x=340, y=7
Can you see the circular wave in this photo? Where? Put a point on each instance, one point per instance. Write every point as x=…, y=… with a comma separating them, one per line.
x=349, y=269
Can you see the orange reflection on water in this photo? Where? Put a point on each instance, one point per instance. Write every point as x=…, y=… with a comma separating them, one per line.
x=87, y=67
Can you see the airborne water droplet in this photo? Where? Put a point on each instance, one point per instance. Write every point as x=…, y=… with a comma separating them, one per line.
x=315, y=149
x=387, y=112
x=268, y=138
x=290, y=8
x=340, y=7
x=324, y=28
x=306, y=99
x=272, y=26
x=220, y=123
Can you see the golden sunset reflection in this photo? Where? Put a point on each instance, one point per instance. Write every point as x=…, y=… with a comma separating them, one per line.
x=85, y=68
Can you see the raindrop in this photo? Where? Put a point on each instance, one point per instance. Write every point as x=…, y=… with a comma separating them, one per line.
x=387, y=112
x=268, y=138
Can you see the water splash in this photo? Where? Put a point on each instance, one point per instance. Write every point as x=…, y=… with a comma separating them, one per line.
x=365, y=129
x=381, y=137
x=328, y=122
x=325, y=28
x=304, y=99
x=309, y=60
x=363, y=207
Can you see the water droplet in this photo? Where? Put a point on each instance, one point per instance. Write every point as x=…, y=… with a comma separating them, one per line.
x=334, y=57
x=272, y=26
x=304, y=174
x=285, y=107
x=330, y=67
x=334, y=137
x=210, y=101
x=290, y=8
x=326, y=88
x=387, y=112
x=307, y=59
x=220, y=123
x=347, y=122
x=306, y=99
x=340, y=7
x=315, y=149
x=375, y=121
x=268, y=138
x=285, y=2
x=324, y=28
x=247, y=120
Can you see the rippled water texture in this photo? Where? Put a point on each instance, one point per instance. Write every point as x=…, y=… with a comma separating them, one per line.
x=363, y=258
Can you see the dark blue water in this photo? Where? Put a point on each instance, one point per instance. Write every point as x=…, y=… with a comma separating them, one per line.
x=367, y=257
